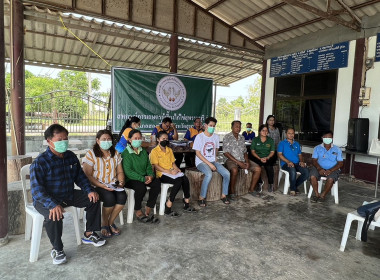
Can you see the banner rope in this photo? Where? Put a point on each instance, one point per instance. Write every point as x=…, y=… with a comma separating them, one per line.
x=76, y=37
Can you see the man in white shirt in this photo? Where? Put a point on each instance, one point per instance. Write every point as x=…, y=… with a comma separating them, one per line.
x=206, y=146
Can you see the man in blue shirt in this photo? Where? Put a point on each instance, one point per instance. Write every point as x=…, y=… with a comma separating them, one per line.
x=52, y=178
x=327, y=161
x=291, y=160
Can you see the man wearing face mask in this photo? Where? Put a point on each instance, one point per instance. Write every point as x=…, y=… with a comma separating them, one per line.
x=249, y=134
x=327, y=161
x=52, y=178
x=206, y=146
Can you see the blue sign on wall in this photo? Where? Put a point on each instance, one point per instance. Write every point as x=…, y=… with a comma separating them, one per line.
x=377, y=55
x=318, y=59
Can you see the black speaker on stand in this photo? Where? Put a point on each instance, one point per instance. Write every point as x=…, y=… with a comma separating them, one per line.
x=357, y=138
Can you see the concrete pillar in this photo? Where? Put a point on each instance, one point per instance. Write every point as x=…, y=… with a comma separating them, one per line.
x=17, y=74
x=3, y=140
x=262, y=98
x=173, y=60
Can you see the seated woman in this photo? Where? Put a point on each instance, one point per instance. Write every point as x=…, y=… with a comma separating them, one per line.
x=162, y=158
x=131, y=123
x=139, y=176
x=262, y=150
x=102, y=165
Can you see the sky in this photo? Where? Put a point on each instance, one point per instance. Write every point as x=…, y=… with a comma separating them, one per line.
x=231, y=92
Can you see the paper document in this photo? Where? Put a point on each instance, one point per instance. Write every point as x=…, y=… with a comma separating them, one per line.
x=179, y=174
x=111, y=186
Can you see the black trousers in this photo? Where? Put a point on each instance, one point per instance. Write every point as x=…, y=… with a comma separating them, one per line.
x=190, y=159
x=110, y=199
x=140, y=190
x=268, y=167
x=54, y=228
x=177, y=183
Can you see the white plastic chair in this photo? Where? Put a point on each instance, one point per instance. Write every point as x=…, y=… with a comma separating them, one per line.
x=164, y=192
x=286, y=181
x=334, y=190
x=352, y=216
x=131, y=205
x=34, y=220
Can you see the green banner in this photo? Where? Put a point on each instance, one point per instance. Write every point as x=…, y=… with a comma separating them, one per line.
x=152, y=96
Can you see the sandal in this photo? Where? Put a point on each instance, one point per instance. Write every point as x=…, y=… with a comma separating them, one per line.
x=153, y=220
x=225, y=200
x=169, y=212
x=114, y=229
x=202, y=203
x=187, y=208
x=293, y=193
x=105, y=232
x=143, y=219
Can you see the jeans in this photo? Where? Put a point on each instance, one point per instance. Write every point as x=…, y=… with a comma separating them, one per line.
x=54, y=228
x=294, y=181
x=205, y=169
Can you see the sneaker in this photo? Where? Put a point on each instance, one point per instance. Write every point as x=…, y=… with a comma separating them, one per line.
x=59, y=257
x=93, y=239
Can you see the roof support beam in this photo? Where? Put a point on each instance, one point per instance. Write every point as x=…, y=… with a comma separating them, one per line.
x=358, y=6
x=326, y=15
x=215, y=5
x=258, y=14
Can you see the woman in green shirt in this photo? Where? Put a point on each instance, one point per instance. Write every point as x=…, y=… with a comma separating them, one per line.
x=262, y=149
x=139, y=175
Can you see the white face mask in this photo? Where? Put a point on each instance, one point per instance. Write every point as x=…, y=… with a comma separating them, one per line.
x=327, y=141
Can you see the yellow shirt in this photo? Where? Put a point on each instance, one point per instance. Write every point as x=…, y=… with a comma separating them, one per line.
x=164, y=160
x=126, y=132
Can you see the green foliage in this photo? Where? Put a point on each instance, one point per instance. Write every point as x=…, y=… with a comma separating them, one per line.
x=249, y=108
x=62, y=96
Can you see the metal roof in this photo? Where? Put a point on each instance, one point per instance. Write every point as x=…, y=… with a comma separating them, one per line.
x=224, y=40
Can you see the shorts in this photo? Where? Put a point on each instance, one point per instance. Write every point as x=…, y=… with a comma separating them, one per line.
x=333, y=175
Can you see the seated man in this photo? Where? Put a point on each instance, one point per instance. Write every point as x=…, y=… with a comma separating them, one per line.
x=291, y=160
x=327, y=161
x=237, y=157
x=169, y=127
x=52, y=178
x=249, y=134
x=206, y=146
x=190, y=135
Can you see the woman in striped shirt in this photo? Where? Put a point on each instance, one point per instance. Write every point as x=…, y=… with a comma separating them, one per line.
x=103, y=168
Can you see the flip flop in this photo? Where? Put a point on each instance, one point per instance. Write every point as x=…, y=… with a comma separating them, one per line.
x=106, y=228
x=114, y=227
x=225, y=200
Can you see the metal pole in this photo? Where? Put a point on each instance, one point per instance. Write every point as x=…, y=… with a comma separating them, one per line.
x=262, y=98
x=214, y=102
x=17, y=70
x=3, y=139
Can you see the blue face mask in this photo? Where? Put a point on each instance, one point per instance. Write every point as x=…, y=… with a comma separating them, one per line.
x=136, y=143
x=61, y=146
x=105, y=145
x=210, y=129
x=249, y=129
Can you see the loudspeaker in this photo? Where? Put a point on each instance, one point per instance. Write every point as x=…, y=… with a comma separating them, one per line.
x=357, y=139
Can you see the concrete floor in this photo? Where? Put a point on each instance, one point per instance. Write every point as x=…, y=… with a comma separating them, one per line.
x=284, y=238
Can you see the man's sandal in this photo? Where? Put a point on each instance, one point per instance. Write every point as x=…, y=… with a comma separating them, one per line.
x=202, y=203
x=114, y=229
x=105, y=232
x=225, y=200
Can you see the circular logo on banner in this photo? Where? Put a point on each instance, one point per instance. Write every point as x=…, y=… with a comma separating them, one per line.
x=171, y=93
